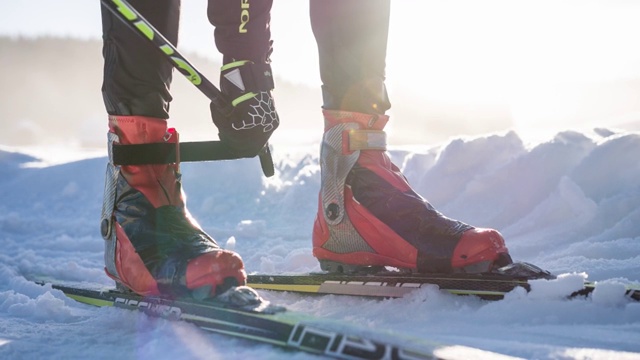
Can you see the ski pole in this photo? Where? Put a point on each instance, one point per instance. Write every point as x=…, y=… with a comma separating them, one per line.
x=218, y=151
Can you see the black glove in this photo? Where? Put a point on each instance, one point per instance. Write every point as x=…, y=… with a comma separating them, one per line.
x=247, y=128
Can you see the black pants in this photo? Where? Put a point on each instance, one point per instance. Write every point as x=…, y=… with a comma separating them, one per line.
x=351, y=37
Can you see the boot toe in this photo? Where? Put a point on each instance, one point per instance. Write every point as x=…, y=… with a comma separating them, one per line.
x=218, y=270
x=479, y=249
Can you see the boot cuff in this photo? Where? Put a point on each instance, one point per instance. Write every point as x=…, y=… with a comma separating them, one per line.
x=138, y=129
x=365, y=121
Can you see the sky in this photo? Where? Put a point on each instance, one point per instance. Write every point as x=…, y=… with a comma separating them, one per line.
x=540, y=61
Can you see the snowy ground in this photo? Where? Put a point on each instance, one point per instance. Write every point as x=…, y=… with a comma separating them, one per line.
x=570, y=205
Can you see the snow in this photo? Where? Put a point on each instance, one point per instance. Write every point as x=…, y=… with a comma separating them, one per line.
x=570, y=205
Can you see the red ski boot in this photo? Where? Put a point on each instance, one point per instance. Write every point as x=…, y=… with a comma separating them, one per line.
x=153, y=246
x=370, y=217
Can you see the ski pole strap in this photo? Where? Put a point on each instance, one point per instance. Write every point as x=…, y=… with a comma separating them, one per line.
x=168, y=153
x=366, y=140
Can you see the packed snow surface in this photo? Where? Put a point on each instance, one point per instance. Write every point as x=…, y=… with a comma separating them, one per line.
x=570, y=205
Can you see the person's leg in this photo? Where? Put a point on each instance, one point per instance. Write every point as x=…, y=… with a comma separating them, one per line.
x=352, y=45
x=368, y=214
x=152, y=246
x=136, y=79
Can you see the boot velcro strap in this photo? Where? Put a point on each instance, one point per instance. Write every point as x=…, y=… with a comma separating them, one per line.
x=166, y=153
x=367, y=140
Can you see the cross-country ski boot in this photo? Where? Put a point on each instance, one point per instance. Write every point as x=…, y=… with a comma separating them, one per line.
x=152, y=245
x=369, y=217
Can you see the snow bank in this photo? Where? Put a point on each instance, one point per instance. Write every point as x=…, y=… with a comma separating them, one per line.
x=570, y=205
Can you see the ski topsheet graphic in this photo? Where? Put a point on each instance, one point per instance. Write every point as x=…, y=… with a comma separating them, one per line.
x=490, y=286
x=244, y=314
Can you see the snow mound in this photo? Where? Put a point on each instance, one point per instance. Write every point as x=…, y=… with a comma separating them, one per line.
x=570, y=205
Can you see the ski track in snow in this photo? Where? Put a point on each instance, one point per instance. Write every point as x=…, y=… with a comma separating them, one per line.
x=570, y=205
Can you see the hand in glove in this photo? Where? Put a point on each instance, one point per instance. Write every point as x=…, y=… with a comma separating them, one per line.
x=247, y=128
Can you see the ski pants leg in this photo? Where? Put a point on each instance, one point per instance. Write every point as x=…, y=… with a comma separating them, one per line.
x=137, y=78
x=351, y=36
x=352, y=43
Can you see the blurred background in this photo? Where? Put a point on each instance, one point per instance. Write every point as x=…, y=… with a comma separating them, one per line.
x=454, y=68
